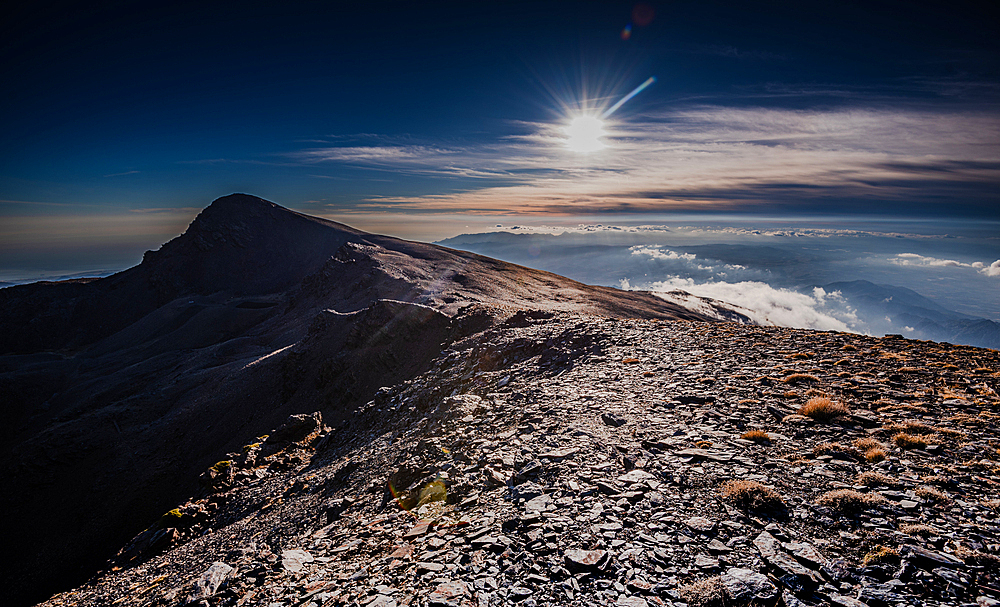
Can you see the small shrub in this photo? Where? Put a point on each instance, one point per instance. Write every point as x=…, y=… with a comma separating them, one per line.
x=706, y=593
x=848, y=348
x=757, y=436
x=881, y=555
x=648, y=374
x=801, y=355
x=751, y=495
x=874, y=479
x=800, y=378
x=703, y=444
x=821, y=408
x=849, y=501
x=918, y=530
x=630, y=361
x=905, y=440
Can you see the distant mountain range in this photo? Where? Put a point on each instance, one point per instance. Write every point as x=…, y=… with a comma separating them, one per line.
x=890, y=309
x=881, y=309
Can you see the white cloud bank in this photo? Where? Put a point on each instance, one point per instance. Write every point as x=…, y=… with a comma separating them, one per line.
x=763, y=303
x=913, y=259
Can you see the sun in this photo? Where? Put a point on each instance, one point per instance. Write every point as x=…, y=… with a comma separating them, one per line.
x=585, y=134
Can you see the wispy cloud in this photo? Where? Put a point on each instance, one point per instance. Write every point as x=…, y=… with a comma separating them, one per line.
x=705, y=157
x=122, y=174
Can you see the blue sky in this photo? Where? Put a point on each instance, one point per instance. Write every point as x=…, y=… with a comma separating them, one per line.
x=120, y=121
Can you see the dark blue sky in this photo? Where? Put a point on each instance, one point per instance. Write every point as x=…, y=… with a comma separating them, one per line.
x=123, y=118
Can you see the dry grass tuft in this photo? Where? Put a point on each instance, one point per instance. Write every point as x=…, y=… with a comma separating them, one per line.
x=848, y=348
x=875, y=479
x=876, y=455
x=904, y=440
x=630, y=361
x=751, y=495
x=974, y=558
x=835, y=449
x=932, y=495
x=801, y=355
x=821, y=408
x=872, y=450
x=703, y=444
x=800, y=378
x=849, y=501
x=757, y=436
x=908, y=427
x=950, y=433
x=880, y=555
x=918, y=530
x=706, y=593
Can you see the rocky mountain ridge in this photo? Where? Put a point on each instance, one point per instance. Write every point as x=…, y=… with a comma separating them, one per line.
x=119, y=391
x=565, y=459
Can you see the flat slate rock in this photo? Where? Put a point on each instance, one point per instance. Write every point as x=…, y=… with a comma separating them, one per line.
x=585, y=560
x=700, y=524
x=746, y=585
x=295, y=560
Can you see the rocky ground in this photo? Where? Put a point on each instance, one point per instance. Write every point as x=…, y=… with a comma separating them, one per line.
x=575, y=460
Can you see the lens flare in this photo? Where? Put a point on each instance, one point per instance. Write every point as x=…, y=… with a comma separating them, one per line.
x=585, y=134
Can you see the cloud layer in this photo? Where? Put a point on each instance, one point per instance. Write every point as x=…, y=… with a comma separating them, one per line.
x=706, y=157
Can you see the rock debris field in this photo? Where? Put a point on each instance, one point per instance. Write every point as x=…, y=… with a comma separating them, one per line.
x=563, y=459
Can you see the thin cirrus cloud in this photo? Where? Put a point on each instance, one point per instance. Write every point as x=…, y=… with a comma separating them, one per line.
x=706, y=158
x=914, y=259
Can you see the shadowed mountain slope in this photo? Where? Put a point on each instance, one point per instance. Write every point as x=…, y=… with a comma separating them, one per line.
x=118, y=391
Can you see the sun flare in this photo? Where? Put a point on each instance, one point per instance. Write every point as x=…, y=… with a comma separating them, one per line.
x=584, y=134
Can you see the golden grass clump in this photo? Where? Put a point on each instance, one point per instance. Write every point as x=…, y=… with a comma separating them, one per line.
x=910, y=427
x=880, y=555
x=630, y=361
x=751, y=495
x=876, y=455
x=849, y=501
x=932, y=495
x=835, y=449
x=703, y=444
x=800, y=378
x=706, y=593
x=874, y=479
x=918, y=530
x=872, y=450
x=848, y=348
x=801, y=355
x=821, y=408
x=950, y=433
x=989, y=562
x=757, y=436
x=905, y=440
